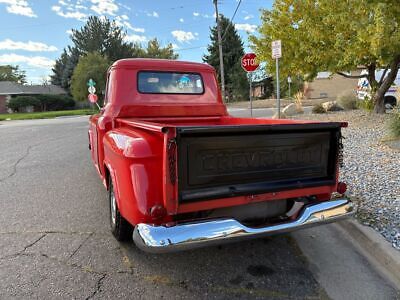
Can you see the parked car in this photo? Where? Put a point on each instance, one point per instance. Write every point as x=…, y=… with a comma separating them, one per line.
x=182, y=173
x=392, y=96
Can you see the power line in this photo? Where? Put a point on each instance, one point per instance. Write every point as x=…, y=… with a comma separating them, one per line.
x=190, y=48
x=231, y=22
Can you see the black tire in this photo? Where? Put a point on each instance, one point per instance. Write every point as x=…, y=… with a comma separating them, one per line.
x=120, y=227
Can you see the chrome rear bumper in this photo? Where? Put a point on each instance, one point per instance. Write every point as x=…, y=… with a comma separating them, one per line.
x=159, y=239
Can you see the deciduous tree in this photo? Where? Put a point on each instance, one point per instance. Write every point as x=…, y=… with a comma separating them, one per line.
x=94, y=66
x=336, y=37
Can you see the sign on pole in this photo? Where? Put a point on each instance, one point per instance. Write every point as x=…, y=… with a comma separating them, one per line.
x=277, y=54
x=92, y=98
x=276, y=49
x=91, y=89
x=250, y=64
x=91, y=82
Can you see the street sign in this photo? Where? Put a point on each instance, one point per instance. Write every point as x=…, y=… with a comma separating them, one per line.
x=91, y=82
x=289, y=79
x=91, y=89
x=276, y=49
x=93, y=98
x=249, y=62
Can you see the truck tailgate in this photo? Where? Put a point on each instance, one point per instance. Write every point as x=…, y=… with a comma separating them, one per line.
x=228, y=161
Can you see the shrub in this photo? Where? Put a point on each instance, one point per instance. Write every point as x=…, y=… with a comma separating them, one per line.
x=318, y=109
x=347, y=100
x=394, y=123
x=366, y=104
x=298, y=100
x=20, y=102
x=55, y=102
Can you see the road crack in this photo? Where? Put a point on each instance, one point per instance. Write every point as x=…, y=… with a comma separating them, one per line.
x=33, y=243
x=98, y=286
x=81, y=244
x=23, y=250
x=15, y=165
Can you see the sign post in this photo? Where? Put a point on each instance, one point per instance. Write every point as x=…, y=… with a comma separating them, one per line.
x=249, y=64
x=92, y=97
x=277, y=54
x=289, y=80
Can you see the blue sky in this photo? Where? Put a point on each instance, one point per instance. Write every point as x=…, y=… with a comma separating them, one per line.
x=34, y=32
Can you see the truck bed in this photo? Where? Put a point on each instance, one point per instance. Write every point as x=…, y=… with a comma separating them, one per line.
x=224, y=157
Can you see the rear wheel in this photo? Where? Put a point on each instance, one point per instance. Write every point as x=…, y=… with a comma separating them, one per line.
x=120, y=227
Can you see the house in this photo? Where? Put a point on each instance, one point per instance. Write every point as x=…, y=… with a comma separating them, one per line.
x=262, y=88
x=10, y=89
x=329, y=86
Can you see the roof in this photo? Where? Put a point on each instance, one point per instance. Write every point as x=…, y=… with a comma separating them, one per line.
x=13, y=88
x=161, y=64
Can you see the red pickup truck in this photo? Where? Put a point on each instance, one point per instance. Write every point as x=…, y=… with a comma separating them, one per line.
x=182, y=173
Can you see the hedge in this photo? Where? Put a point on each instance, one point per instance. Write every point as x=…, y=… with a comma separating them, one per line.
x=42, y=102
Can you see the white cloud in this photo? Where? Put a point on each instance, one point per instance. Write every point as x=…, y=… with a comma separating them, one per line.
x=135, y=38
x=70, y=14
x=183, y=36
x=181, y=20
x=34, y=61
x=246, y=27
x=8, y=44
x=69, y=31
x=175, y=46
x=19, y=7
x=123, y=21
x=104, y=7
x=248, y=17
x=196, y=14
x=152, y=14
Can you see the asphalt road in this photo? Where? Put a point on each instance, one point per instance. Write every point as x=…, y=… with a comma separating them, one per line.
x=55, y=241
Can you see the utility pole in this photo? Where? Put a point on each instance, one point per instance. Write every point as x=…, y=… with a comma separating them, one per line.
x=221, y=56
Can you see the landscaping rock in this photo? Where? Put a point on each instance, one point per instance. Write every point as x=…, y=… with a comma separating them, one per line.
x=290, y=110
x=331, y=106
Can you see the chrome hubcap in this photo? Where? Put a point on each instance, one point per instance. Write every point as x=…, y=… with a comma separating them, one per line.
x=113, y=208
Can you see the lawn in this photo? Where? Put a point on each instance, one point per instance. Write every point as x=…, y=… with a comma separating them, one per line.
x=46, y=115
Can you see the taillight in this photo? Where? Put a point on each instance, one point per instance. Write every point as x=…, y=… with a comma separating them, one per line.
x=341, y=187
x=157, y=212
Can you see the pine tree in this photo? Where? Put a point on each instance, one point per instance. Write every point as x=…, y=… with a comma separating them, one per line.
x=236, y=83
x=102, y=36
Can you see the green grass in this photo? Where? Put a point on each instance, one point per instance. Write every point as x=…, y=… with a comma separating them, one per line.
x=46, y=115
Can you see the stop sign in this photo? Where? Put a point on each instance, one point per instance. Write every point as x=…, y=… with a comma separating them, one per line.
x=92, y=98
x=249, y=62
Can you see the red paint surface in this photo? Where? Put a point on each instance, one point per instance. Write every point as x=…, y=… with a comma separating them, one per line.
x=129, y=140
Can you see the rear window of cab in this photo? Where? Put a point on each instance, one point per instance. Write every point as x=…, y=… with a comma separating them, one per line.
x=153, y=82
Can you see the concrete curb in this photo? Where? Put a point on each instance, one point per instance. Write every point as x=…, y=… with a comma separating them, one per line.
x=375, y=248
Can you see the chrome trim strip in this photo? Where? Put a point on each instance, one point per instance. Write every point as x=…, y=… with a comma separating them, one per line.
x=160, y=239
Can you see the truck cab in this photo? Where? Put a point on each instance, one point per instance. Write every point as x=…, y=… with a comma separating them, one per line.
x=182, y=173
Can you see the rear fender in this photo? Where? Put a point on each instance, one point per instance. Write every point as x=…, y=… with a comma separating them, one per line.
x=134, y=160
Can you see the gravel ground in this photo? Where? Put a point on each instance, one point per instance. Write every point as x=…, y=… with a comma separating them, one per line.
x=371, y=170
